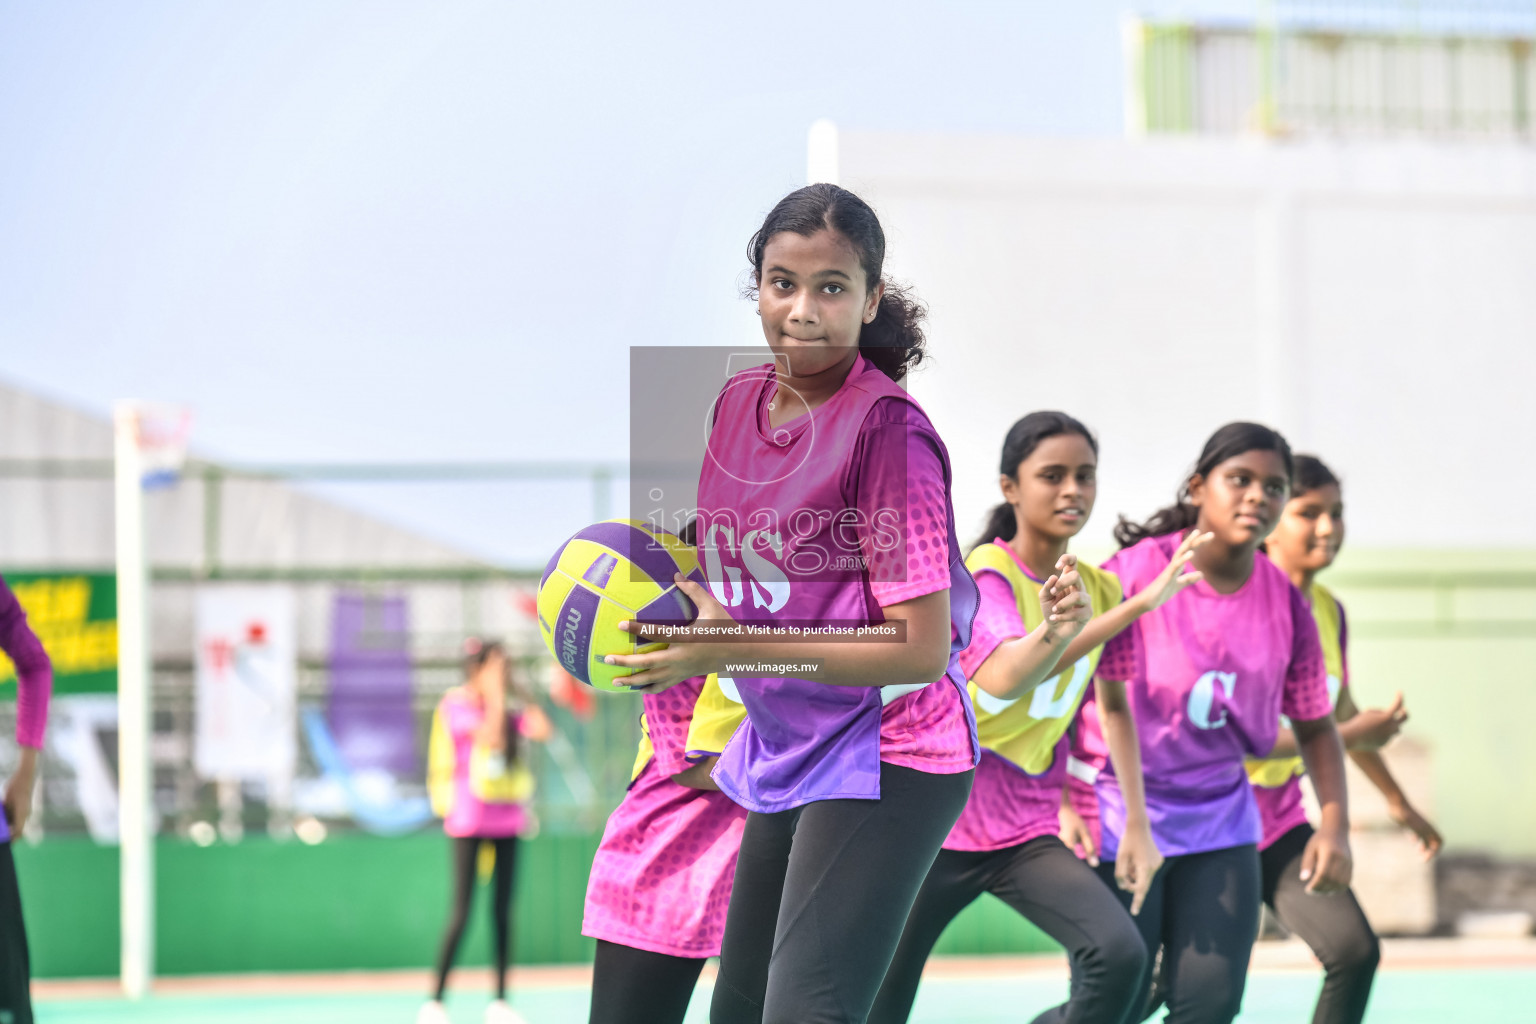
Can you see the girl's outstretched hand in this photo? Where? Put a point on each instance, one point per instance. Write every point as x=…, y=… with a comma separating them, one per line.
x=1428, y=836
x=1064, y=604
x=661, y=670
x=1375, y=727
x=1173, y=578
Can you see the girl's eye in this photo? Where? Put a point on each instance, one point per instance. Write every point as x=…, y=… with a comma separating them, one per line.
x=1051, y=476
x=1085, y=478
x=782, y=285
x=833, y=289
x=1278, y=490
x=1240, y=479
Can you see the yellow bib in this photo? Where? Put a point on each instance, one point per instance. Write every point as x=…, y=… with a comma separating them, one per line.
x=1026, y=730
x=491, y=779
x=1272, y=772
x=715, y=718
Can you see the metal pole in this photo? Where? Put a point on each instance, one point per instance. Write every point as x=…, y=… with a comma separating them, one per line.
x=602, y=482
x=136, y=855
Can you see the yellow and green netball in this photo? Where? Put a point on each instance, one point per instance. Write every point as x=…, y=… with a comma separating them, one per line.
x=612, y=571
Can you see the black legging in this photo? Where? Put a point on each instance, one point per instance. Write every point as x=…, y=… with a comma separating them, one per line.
x=1333, y=925
x=15, y=964
x=464, y=852
x=821, y=896
x=1045, y=882
x=1203, y=910
x=636, y=986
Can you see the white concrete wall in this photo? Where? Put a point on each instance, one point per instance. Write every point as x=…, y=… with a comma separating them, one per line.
x=1375, y=302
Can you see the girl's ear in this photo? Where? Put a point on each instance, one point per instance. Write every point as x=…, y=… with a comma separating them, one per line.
x=1010, y=488
x=1196, y=489
x=872, y=303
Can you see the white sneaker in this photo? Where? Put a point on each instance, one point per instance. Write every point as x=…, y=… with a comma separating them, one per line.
x=500, y=1013
x=432, y=1012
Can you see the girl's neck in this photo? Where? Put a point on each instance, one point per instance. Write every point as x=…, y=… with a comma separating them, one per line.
x=813, y=390
x=1301, y=577
x=1226, y=568
x=1038, y=552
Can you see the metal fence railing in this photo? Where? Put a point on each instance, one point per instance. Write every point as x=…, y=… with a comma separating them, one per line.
x=1463, y=71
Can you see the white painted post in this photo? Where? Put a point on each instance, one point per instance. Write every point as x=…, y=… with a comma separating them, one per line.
x=135, y=791
x=821, y=153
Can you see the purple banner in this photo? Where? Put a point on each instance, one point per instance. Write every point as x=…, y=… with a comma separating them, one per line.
x=370, y=701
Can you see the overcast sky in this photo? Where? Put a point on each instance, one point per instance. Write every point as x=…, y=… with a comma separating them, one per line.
x=432, y=230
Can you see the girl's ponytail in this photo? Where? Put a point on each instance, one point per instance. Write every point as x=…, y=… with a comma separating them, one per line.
x=1002, y=524
x=893, y=340
x=1175, y=518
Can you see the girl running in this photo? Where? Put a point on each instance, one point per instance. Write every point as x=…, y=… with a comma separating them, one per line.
x=824, y=506
x=34, y=685
x=1005, y=842
x=1208, y=675
x=1305, y=542
x=480, y=786
x=661, y=879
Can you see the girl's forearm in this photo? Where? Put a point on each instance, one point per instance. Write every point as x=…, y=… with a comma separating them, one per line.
x=1285, y=744
x=1323, y=754
x=1352, y=729
x=918, y=657
x=1375, y=768
x=1019, y=665
x=1124, y=747
x=1103, y=628
x=1352, y=725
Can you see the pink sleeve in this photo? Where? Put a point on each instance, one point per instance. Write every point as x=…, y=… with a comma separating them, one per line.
x=900, y=492
x=997, y=621
x=34, y=672
x=1118, y=662
x=1305, y=696
x=667, y=715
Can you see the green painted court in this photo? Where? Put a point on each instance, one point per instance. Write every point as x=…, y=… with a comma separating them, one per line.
x=1273, y=997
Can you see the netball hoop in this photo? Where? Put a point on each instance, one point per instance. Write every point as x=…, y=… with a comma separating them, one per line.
x=150, y=447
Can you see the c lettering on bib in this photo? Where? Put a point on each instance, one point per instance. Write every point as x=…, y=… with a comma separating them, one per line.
x=1046, y=705
x=1202, y=699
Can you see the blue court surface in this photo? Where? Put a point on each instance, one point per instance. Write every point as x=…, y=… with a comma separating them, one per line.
x=1408, y=996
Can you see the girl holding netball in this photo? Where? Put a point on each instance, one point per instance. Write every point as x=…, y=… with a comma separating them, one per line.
x=1306, y=541
x=824, y=505
x=1208, y=676
x=1027, y=676
x=661, y=880
x=480, y=787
